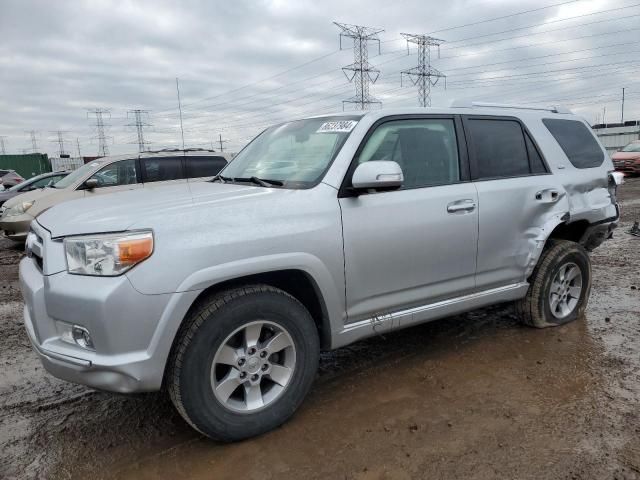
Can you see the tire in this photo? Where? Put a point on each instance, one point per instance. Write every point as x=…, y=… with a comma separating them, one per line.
x=535, y=309
x=225, y=320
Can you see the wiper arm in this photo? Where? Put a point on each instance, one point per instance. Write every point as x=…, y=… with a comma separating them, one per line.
x=222, y=178
x=266, y=182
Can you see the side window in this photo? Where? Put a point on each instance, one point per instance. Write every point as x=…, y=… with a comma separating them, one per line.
x=535, y=160
x=426, y=149
x=576, y=141
x=204, y=166
x=117, y=173
x=499, y=148
x=160, y=169
x=43, y=182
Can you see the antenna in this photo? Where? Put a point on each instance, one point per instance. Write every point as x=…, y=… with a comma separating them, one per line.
x=424, y=76
x=360, y=72
x=180, y=108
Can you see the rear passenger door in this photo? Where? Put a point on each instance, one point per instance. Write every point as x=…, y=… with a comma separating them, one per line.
x=162, y=170
x=516, y=195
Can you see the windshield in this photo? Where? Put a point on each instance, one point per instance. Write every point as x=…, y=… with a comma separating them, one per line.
x=632, y=147
x=295, y=153
x=76, y=175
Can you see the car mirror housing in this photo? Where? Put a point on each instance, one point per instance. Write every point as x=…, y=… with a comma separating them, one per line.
x=377, y=174
x=91, y=183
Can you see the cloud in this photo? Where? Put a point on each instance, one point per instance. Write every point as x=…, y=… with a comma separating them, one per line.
x=58, y=59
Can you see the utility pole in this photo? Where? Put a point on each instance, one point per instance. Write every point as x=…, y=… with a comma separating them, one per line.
x=34, y=140
x=424, y=76
x=3, y=151
x=622, y=113
x=78, y=145
x=360, y=72
x=139, y=124
x=221, y=141
x=103, y=149
x=60, y=141
x=180, y=108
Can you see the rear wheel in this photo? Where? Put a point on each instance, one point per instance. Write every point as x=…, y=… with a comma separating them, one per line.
x=559, y=286
x=243, y=362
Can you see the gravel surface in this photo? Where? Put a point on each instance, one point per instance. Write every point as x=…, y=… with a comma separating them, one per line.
x=472, y=396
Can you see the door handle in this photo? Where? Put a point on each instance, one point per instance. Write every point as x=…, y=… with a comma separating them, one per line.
x=461, y=206
x=548, y=195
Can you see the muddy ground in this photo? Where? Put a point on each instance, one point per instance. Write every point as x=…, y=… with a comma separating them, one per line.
x=473, y=396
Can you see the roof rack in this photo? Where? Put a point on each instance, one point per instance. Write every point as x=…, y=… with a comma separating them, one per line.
x=170, y=150
x=470, y=104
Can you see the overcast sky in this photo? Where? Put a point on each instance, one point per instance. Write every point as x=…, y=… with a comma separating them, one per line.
x=245, y=64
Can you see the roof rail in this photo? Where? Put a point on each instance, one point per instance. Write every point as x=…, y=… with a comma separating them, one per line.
x=470, y=104
x=175, y=150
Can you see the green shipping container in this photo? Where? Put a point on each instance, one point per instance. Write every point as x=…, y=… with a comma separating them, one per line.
x=28, y=165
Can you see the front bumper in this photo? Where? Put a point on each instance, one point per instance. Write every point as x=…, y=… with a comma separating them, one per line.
x=132, y=332
x=17, y=227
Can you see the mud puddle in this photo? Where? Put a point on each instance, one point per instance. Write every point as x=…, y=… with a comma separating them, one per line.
x=473, y=396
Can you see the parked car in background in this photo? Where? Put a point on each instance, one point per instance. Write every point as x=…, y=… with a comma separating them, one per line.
x=627, y=160
x=39, y=181
x=320, y=232
x=110, y=175
x=10, y=178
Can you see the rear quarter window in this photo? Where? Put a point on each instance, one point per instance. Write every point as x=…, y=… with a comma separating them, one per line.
x=576, y=141
x=204, y=166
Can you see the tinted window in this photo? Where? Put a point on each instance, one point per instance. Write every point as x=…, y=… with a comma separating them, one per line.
x=160, y=169
x=117, y=173
x=499, y=148
x=577, y=142
x=43, y=182
x=204, y=166
x=426, y=150
x=535, y=160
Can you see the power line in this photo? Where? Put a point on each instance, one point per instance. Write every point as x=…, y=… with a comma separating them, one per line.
x=103, y=149
x=424, y=75
x=139, y=124
x=502, y=17
x=363, y=72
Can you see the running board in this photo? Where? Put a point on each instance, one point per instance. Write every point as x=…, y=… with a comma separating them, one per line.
x=386, y=322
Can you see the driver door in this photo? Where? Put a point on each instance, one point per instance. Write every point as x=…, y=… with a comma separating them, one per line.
x=416, y=245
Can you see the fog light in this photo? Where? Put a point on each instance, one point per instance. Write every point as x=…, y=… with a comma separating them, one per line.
x=75, y=334
x=82, y=337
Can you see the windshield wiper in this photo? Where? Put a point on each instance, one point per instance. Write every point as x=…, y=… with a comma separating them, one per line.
x=264, y=182
x=222, y=178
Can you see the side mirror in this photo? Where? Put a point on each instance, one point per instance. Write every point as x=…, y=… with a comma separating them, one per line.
x=377, y=174
x=91, y=183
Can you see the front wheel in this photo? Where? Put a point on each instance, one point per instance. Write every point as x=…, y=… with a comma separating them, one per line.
x=243, y=362
x=559, y=286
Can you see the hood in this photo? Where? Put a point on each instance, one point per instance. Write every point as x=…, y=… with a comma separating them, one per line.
x=33, y=195
x=626, y=156
x=6, y=195
x=143, y=208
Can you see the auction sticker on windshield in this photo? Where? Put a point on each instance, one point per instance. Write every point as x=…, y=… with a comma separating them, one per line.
x=339, y=126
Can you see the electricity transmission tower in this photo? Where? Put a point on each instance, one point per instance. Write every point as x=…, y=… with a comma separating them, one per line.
x=360, y=72
x=34, y=140
x=424, y=76
x=103, y=149
x=78, y=145
x=221, y=142
x=139, y=116
x=60, y=141
x=3, y=151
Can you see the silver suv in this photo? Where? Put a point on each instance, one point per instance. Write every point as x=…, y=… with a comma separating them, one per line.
x=321, y=232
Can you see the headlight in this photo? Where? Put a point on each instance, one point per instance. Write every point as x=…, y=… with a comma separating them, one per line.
x=107, y=255
x=18, y=209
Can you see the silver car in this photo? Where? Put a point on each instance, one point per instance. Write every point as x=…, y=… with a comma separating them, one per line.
x=321, y=232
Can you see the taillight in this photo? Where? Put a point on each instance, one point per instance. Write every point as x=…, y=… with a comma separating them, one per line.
x=615, y=179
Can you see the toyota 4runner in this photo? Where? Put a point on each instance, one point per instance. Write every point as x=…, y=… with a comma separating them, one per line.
x=321, y=232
